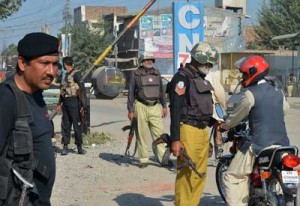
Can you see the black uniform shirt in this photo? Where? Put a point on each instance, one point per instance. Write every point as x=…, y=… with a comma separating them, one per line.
x=7, y=111
x=176, y=102
x=41, y=128
x=132, y=92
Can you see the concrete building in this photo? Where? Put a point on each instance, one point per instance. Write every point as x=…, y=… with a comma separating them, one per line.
x=224, y=26
x=92, y=14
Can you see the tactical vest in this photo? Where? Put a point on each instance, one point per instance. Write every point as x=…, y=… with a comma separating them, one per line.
x=266, y=118
x=198, y=105
x=18, y=151
x=69, y=87
x=148, y=84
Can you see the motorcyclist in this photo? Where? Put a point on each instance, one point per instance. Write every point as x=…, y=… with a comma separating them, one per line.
x=264, y=104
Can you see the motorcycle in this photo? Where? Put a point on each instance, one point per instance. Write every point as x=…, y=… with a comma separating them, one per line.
x=274, y=179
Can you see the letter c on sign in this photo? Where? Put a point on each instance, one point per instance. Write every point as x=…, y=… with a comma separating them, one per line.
x=182, y=16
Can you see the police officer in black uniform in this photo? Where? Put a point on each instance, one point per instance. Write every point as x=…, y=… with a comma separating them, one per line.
x=73, y=101
x=25, y=128
x=191, y=108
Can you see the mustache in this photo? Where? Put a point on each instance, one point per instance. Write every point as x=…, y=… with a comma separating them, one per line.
x=49, y=76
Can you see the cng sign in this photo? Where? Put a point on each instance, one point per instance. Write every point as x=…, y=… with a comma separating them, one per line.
x=188, y=30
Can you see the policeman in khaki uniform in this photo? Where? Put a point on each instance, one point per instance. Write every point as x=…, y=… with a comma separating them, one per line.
x=73, y=101
x=191, y=108
x=147, y=102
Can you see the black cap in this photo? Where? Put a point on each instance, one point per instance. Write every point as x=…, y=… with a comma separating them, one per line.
x=38, y=44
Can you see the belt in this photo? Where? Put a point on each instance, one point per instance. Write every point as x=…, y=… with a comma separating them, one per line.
x=201, y=124
x=148, y=102
x=67, y=97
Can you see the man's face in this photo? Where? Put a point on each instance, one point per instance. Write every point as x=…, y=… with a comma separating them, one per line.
x=39, y=72
x=148, y=63
x=204, y=68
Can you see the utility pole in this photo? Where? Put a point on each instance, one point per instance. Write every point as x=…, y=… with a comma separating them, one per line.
x=67, y=18
x=4, y=53
x=45, y=28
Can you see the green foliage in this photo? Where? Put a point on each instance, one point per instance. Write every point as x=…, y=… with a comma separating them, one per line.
x=8, y=7
x=96, y=138
x=88, y=44
x=278, y=17
x=11, y=50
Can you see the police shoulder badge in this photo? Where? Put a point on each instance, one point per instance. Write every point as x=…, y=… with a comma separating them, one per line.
x=180, y=88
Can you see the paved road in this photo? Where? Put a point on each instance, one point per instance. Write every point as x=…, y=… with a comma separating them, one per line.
x=111, y=115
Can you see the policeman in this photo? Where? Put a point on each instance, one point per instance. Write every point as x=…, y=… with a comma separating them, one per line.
x=73, y=101
x=25, y=128
x=145, y=98
x=264, y=104
x=191, y=108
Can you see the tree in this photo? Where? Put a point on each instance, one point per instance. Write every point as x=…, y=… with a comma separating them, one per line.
x=277, y=17
x=10, y=56
x=11, y=50
x=8, y=7
x=88, y=43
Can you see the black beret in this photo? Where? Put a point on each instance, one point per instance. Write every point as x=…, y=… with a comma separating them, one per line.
x=38, y=44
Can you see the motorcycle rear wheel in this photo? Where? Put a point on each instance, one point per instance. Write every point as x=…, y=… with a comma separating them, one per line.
x=220, y=170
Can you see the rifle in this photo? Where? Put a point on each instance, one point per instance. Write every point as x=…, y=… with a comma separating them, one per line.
x=25, y=187
x=165, y=138
x=132, y=129
x=185, y=157
x=52, y=114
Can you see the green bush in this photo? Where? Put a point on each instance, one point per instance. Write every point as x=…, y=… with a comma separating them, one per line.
x=96, y=138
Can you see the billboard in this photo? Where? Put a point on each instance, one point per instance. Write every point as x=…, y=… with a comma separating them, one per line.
x=188, y=30
x=156, y=35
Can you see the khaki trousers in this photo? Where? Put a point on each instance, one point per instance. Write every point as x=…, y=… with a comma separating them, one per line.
x=236, y=179
x=188, y=185
x=149, y=116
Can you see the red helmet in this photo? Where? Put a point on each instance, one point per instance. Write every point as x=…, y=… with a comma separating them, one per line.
x=253, y=68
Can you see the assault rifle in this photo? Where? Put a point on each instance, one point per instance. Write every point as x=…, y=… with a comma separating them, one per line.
x=185, y=157
x=165, y=138
x=52, y=114
x=132, y=130
x=25, y=187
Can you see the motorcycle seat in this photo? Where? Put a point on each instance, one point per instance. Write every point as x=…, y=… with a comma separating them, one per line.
x=272, y=155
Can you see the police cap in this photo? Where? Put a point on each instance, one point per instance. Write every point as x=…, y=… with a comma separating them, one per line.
x=38, y=44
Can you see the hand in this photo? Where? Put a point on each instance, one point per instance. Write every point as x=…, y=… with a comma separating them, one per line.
x=175, y=147
x=58, y=108
x=130, y=116
x=165, y=112
x=221, y=128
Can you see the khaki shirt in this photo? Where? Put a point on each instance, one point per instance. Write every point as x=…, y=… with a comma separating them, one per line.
x=241, y=111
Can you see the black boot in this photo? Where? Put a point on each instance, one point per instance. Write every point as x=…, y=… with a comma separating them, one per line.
x=80, y=150
x=65, y=150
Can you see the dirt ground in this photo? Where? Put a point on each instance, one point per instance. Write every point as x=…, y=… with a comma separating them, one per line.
x=105, y=177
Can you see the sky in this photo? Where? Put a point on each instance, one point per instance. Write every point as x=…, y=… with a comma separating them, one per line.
x=37, y=13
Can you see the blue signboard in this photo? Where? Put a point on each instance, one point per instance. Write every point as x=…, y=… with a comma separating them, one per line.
x=188, y=30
